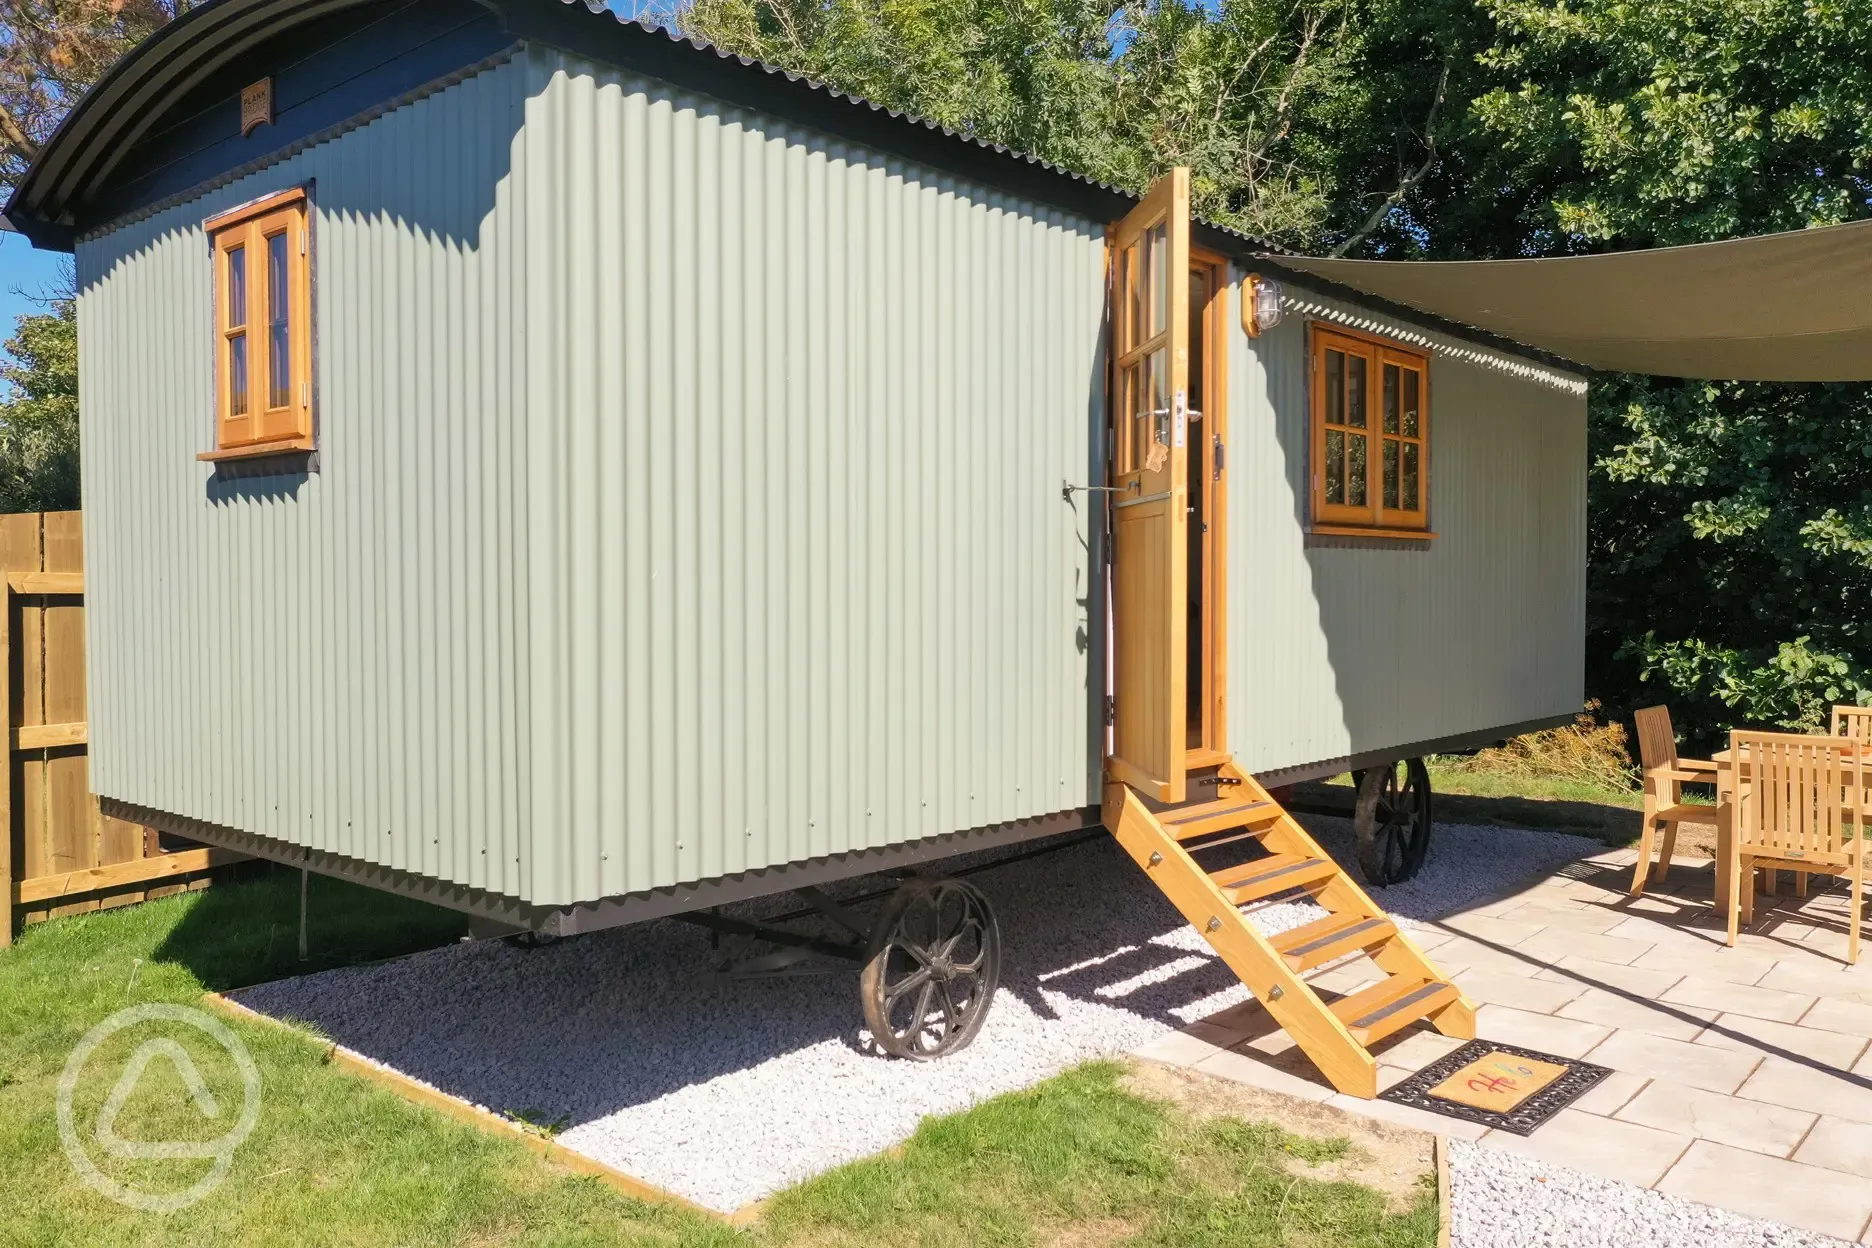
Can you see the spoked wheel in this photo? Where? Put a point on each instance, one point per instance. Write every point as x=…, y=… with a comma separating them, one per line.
x=932, y=968
x=1392, y=821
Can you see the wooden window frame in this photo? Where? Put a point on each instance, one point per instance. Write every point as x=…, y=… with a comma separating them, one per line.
x=1372, y=518
x=262, y=427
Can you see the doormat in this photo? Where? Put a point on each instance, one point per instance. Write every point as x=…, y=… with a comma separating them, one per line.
x=1498, y=1085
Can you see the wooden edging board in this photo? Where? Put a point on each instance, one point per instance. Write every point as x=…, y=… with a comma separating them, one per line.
x=1442, y=1192
x=492, y=1123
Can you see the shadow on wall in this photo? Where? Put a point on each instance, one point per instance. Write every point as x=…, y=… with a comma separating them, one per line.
x=1389, y=643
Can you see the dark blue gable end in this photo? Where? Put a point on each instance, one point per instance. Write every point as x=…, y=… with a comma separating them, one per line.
x=323, y=72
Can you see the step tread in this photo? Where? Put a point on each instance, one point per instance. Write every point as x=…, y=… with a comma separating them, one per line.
x=1390, y=1005
x=1332, y=937
x=1276, y=873
x=1189, y=814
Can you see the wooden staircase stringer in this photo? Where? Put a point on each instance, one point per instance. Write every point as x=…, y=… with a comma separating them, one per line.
x=1289, y=999
x=1341, y=894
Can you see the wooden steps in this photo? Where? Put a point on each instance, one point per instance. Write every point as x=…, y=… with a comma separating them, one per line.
x=1276, y=858
x=1331, y=938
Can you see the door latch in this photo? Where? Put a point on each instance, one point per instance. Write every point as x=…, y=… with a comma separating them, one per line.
x=1111, y=710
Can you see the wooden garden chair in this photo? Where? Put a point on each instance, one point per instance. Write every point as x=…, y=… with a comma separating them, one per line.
x=1799, y=805
x=1854, y=723
x=1665, y=774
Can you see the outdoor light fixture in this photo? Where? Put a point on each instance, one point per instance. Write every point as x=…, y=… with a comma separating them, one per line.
x=1261, y=304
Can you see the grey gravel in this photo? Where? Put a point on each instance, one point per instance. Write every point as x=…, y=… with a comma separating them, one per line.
x=727, y=1092
x=1504, y=1200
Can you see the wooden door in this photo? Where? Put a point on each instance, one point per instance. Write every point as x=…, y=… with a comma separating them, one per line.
x=1150, y=500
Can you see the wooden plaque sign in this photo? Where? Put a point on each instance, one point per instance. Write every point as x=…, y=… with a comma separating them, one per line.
x=256, y=101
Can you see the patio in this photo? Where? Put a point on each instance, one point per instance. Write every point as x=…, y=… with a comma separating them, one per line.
x=1742, y=1077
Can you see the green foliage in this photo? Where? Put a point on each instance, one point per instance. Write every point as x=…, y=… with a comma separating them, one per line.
x=1731, y=524
x=1249, y=96
x=39, y=416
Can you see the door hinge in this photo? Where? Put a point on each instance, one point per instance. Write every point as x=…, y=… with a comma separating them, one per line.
x=1111, y=710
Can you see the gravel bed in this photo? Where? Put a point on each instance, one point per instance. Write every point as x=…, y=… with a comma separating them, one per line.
x=1503, y=1200
x=728, y=1091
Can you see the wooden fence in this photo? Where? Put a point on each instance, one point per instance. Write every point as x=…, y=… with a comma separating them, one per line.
x=61, y=854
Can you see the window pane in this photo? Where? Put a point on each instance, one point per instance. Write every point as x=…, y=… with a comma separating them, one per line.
x=237, y=375
x=279, y=337
x=1355, y=391
x=1355, y=470
x=1157, y=276
x=1335, y=466
x=1390, y=398
x=1410, y=476
x=1335, y=387
x=237, y=287
x=1390, y=472
x=1410, y=403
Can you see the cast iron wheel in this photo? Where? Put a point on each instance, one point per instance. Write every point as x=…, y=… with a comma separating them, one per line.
x=1392, y=821
x=931, y=970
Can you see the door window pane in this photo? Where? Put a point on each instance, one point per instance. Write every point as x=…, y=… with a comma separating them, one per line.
x=1157, y=277
x=237, y=287
x=1410, y=403
x=1390, y=472
x=1355, y=391
x=279, y=337
x=1335, y=466
x=1390, y=398
x=1356, y=469
x=1410, y=476
x=1131, y=311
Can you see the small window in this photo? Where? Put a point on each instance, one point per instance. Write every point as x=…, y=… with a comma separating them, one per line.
x=263, y=327
x=1371, y=435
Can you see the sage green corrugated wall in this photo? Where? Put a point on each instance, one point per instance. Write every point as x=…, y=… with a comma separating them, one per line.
x=689, y=501
x=330, y=660
x=803, y=580
x=1338, y=646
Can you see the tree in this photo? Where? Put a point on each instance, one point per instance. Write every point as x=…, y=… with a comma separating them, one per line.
x=1731, y=524
x=39, y=413
x=50, y=52
x=1250, y=93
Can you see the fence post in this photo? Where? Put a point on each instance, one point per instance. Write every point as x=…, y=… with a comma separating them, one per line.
x=6, y=781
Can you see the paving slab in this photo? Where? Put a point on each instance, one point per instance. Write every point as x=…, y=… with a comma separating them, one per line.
x=1553, y=944
x=1623, y=1009
x=1768, y=1187
x=1563, y=1037
x=1848, y=1017
x=1611, y=1094
x=1760, y=1128
x=1696, y=1065
x=1839, y=1144
x=1733, y=998
x=1809, y=1086
x=1523, y=992
x=1789, y=1040
x=1592, y=973
x=1628, y=1151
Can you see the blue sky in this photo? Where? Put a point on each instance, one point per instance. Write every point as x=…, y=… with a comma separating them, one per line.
x=22, y=270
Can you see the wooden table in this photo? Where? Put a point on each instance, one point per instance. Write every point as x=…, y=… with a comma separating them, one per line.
x=1725, y=817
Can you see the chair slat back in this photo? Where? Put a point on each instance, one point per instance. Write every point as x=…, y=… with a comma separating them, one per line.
x=1853, y=722
x=1657, y=751
x=1791, y=788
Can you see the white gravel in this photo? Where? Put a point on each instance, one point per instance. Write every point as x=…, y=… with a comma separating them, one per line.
x=728, y=1092
x=1503, y=1200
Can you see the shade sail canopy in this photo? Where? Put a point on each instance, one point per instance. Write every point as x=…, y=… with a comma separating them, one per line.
x=1776, y=307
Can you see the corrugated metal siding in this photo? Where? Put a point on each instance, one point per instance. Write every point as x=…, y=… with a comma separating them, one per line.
x=329, y=660
x=1337, y=647
x=802, y=581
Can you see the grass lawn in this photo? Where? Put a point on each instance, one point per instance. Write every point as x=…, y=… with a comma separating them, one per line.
x=335, y=1159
